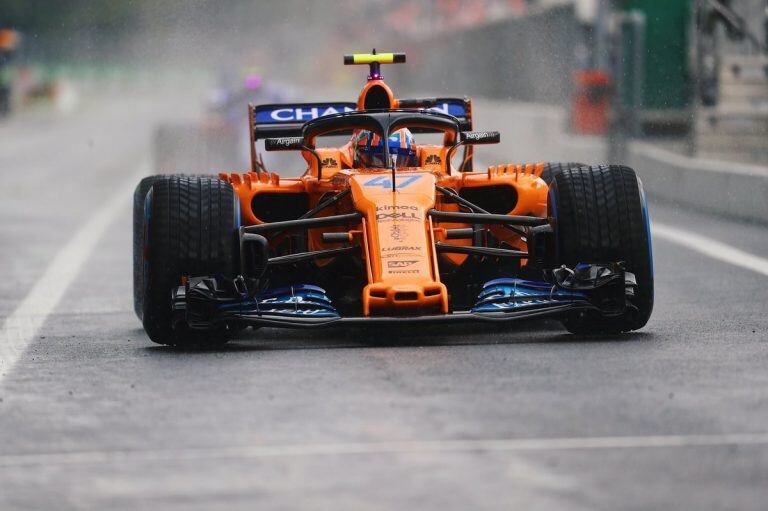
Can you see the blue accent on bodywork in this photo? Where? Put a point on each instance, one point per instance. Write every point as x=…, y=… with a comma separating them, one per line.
x=386, y=182
x=453, y=107
x=553, y=202
x=505, y=295
x=298, y=112
x=299, y=301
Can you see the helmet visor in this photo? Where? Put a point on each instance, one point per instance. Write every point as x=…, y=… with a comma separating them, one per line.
x=403, y=158
x=370, y=150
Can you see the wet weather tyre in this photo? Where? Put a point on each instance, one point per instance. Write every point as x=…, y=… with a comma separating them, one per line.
x=139, y=194
x=190, y=231
x=600, y=215
x=553, y=169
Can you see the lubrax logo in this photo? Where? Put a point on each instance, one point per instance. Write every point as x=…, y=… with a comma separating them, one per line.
x=400, y=264
x=329, y=162
x=393, y=249
x=433, y=159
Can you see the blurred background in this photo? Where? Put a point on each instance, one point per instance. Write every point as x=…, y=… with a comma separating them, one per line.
x=688, y=76
x=603, y=80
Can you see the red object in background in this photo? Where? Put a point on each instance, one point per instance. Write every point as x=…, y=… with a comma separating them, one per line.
x=591, y=102
x=8, y=39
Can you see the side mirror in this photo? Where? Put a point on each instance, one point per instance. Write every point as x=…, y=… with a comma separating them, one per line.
x=480, y=137
x=284, y=144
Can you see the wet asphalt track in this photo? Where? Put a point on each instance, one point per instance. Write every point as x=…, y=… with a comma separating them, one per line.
x=94, y=416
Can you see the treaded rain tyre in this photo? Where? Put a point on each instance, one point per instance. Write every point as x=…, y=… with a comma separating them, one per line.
x=600, y=215
x=552, y=169
x=139, y=194
x=191, y=225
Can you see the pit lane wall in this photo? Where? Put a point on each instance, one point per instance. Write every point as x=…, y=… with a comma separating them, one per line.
x=537, y=132
x=725, y=188
x=524, y=58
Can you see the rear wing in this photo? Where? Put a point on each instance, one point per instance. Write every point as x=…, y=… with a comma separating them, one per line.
x=287, y=120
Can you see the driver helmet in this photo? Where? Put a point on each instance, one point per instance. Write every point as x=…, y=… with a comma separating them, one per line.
x=369, y=149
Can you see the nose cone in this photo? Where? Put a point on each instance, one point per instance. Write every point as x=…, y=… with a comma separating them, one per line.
x=400, y=242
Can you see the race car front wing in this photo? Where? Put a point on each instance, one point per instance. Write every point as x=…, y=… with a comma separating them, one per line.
x=208, y=302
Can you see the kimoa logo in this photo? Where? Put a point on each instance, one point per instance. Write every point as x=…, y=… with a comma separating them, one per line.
x=305, y=114
x=433, y=159
x=396, y=207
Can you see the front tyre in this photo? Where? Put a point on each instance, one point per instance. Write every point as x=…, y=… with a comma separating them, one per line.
x=139, y=214
x=552, y=169
x=600, y=215
x=191, y=226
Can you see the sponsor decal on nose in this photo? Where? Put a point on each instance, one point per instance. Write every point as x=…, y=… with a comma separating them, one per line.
x=386, y=182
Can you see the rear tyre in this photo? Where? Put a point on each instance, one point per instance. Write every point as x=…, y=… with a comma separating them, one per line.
x=600, y=215
x=139, y=194
x=190, y=231
x=553, y=169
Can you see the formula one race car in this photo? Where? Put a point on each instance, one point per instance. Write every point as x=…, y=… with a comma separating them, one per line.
x=382, y=230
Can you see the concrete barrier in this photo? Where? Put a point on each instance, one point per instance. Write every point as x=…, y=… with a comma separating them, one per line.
x=733, y=189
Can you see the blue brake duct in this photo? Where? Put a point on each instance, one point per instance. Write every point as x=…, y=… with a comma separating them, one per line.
x=512, y=295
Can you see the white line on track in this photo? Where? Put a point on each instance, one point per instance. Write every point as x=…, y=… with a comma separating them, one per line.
x=21, y=327
x=711, y=248
x=702, y=244
x=372, y=448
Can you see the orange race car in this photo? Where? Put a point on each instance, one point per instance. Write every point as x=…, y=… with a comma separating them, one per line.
x=383, y=230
